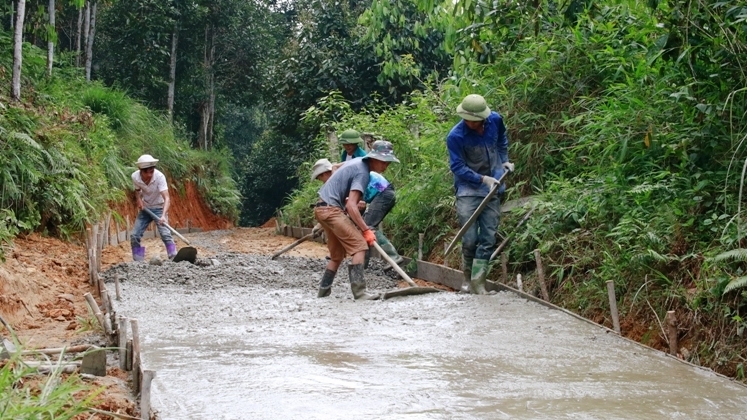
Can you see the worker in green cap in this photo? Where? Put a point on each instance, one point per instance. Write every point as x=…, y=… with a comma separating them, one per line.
x=351, y=141
x=478, y=157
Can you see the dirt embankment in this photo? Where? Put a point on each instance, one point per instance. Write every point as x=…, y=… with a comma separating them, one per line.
x=188, y=208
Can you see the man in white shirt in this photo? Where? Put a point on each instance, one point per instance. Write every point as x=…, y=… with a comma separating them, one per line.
x=151, y=192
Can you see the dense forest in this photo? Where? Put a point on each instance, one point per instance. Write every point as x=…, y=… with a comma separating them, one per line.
x=627, y=123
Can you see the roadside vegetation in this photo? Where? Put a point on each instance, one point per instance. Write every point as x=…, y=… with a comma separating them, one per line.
x=68, y=151
x=55, y=396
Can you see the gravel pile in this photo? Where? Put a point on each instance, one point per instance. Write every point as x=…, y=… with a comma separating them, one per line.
x=243, y=270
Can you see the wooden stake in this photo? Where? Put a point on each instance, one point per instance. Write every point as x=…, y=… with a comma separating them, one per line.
x=122, y=329
x=135, y=355
x=420, y=246
x=446, y=246
x=148, y=376
x=128, y=355
x=95, y=308
x=117, y=290
x=519, y=284
x=541, y=275
x=53, y=351
x=613, y=305
x=504, y=268
x=105, y=300
x=671, y=321
x=127, y=227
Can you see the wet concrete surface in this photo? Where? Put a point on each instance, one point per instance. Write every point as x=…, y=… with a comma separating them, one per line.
x=248, y=339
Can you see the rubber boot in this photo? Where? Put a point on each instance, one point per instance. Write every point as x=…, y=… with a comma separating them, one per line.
x=138, y=253
x=387, y=246
x=467, y=270
x=479, y=275
x=325, y=286
x=171, y=250
x=367, y=258
x=358, y=283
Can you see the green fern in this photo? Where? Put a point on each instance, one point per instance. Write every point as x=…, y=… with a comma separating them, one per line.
x=737, y=283
x=739, y=254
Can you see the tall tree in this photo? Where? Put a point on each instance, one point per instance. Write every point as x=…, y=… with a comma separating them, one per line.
x=172, y=72
x=89, y=39
x=52, y=39
x=15, y=92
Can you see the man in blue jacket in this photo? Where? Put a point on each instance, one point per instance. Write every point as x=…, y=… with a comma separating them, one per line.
x=478, y=156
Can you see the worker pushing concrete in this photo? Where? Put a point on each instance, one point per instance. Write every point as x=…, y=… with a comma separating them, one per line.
x=380, y=197
x=151, y=192
x=478, y=156
x=338, y=214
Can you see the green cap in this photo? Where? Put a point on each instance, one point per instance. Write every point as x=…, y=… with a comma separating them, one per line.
x=473, y=108
x=350, y=136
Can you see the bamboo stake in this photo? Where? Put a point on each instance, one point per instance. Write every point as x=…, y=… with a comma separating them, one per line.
x=117, y=290
x=122, y=342
x=613, y=305
x=541, y=275
x=135, y=354
x=671, y=321
x=96, y=310
x=420, y=246
x=446, y=261
x=147, y=378
x=519, y=284
x=57, y=350
x=504, y=268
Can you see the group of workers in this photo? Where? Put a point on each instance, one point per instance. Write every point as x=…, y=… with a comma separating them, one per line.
x=478, y=157
x=355, y=197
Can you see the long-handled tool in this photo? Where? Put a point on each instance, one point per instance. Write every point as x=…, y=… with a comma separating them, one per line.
x=505, y=241
x=188, y=253
x=414, y=289
x=294, y=244
x=477, y=212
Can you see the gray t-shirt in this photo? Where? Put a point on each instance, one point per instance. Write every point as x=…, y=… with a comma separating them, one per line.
x=352, y=176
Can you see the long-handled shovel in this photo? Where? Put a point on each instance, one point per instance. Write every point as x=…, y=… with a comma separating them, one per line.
x=293, y=245
x=188, y=253
x=414, y=289
x=477, y=212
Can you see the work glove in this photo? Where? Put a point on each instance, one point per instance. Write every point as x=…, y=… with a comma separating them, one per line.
x=489, y=181
x=369, y=236
x=317, y=230
x=508, y=166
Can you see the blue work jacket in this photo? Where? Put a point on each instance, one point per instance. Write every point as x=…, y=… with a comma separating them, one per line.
x=472, y=155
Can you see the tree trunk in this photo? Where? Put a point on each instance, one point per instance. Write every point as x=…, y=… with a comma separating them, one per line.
x=89, y=44
x=78, y=36
x=172, y=73
x=15, y=90
x=50, y=42
x=207, y=109
x=86, y=29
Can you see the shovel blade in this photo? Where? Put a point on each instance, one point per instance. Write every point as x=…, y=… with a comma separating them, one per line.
x=409, y=291
x=187, y=253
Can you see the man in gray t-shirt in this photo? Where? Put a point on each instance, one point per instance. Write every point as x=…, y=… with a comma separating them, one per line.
x=337, y=212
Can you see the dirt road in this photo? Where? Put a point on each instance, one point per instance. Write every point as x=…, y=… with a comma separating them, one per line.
x=244, y=337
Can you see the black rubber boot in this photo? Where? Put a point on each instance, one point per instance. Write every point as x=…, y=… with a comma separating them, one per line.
x=325, y=286
x=358, y=283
